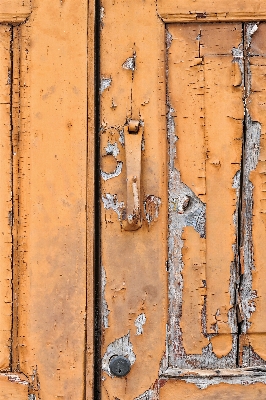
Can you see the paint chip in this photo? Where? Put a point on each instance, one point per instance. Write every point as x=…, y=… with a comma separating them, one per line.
x=110, y=202
x=139, y=322
x=130, y=63
x=105, y=84
x=105, y=310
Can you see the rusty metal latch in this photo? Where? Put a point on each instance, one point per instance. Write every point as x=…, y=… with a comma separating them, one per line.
x=133, y=137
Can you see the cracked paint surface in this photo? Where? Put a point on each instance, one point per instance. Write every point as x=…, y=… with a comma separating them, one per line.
x=194, y=194
x=205, y=261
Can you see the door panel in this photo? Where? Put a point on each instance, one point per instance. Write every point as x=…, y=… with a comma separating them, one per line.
x=43, y=202
x=213, y=113
x=52, y=199
x=208, y=126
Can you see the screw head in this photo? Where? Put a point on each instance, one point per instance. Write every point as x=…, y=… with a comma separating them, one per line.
x=119, y=366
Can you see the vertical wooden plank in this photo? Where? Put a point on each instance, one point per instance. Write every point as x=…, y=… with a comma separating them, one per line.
x=186, y=75
x=224, y=113
x=208, y=121
x=253, y=286
x=16, y=46
x=134, y=278
x=6, y=218
x=52, y=199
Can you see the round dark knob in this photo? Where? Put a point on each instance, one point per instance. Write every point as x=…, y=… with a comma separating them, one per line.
x=119, y=366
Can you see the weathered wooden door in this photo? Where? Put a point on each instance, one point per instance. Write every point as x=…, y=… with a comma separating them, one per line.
x=182, y=141
x=45, y=209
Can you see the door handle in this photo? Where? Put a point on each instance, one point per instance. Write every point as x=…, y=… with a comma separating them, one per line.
x=133, y=137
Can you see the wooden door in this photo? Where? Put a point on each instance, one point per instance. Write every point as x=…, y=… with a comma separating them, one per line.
x=182, y=200
x=45, y=209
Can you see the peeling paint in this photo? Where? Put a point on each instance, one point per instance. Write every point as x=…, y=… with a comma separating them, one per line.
x=105, y=84
x=251, y=28
x=120, y=347
x=238, y=58
x=104, y=309
x=151, y=208
x=130, y=63
x=251, y=158
x=102, y=15
x=122, y=137
x=249, y=358
x=186, y=209
x=204, y=383
x=16, y=379
x=115, y=173
x=139, y=322
x=110, y=202
x=112, y=149
x=148, y=395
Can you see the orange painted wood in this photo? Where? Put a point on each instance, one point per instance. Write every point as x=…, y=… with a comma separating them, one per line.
x=14, y=11
x=209, y=129
x=6, y=218
x=206, y=71
x=51, y=197
x=131, y=259
x=13, y=386
x=214, y=10
x=254, y=348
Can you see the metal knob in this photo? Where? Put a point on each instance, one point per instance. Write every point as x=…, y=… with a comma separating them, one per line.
x=119, y=366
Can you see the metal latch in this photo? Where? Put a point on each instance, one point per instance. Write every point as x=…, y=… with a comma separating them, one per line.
x=133, y=136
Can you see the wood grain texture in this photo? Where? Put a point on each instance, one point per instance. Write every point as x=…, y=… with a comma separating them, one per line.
x=6, y=218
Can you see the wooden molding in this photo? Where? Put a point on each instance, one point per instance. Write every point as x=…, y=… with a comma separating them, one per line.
x=211, y=10
x=222, y=373
x=14, y=11
x=213, y=17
